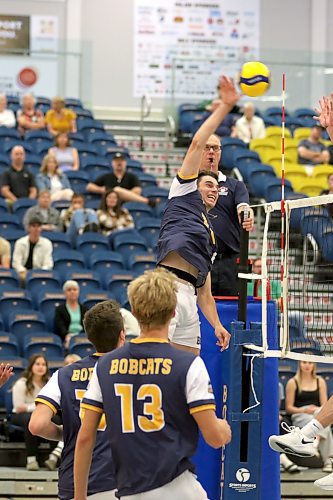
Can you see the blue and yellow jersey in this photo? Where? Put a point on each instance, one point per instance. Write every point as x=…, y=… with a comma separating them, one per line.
x=64, y=392
x=149, y=391
x=186, y=229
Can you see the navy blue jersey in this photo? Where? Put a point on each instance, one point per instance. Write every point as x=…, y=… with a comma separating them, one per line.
x=149, y=391
x=224, y=216
x=185, y=228
x=65, y=391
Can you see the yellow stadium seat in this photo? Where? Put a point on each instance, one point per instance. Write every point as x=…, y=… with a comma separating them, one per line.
x=321, y=172
x=276, y=162
x=296, y=174
x=275, y=134
x=264, y=147
x=311, y=187
x=301, y=133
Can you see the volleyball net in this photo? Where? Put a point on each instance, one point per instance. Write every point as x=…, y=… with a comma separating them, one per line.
x=297, y=274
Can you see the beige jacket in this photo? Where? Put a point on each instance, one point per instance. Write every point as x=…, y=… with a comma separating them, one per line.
x=41, y=258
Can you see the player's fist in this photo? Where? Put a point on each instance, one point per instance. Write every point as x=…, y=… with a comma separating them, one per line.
x=225, y=431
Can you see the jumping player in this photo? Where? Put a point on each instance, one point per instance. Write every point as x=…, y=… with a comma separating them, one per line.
x=154, y=397
x=187, y=242
x=65, y=390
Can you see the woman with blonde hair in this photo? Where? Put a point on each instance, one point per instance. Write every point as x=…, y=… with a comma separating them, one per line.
x=306, y=393
x=53, y=180
x=67, y=156
x=59, y=118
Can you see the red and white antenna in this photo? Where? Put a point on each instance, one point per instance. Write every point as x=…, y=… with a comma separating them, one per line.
x=283, y=214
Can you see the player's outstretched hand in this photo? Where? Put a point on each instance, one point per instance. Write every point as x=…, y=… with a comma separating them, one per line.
x=223, y=337
x=325, y=112
x=227, y=91
x=225, y=431
x=6, y=371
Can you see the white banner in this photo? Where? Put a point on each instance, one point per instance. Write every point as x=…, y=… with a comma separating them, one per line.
x=181, y=47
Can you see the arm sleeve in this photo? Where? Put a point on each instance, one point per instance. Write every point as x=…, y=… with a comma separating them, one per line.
x=60, y=324
x=17, y=261
x=93, y=396
x=18, y=393
x=241, y=194
x=5, y=179
x=134, y=181
x=199, y=393
x=48, y=260
x=32, y=180
x=50, y=394
x=100, y=181
x=181, y=187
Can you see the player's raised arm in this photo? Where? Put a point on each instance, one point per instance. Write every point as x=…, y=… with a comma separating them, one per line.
x=229, y=97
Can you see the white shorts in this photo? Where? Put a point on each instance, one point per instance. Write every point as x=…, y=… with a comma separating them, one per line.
x=103, y=495
x=184, y=487
x=184, y=328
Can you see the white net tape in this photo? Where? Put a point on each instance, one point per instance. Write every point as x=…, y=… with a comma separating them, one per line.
x=299, y=280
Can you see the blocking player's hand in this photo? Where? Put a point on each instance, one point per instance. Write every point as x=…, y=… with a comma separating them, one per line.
x=227, y=91
x=225, y=431
x=223, y=337
x=6, y=371
x=325, y=112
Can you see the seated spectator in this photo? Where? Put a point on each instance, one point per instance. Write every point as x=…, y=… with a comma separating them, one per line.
x=306, y=392
x=25, y=391
x=28, y=117
x=111, y=215
x=249, y=126
x=131, y=325
x=329, y=191
x=53, y=180
x=7, y=117
x=32, y=251
x=49, y=216
x=4, y=254
x=254, y=286
x=71, y=358
x=69, y=316
x=60, y=119
x=67, y=156
x=17, y=181
x=125, y=184
x=311, y=151
x=77, y=220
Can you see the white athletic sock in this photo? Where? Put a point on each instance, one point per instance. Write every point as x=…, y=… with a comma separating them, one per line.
x=31, y=459
x=56, y=453
x=311, y=429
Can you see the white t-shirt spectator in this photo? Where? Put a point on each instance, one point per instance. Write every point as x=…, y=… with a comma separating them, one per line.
x=250, y=129
x=7, y=118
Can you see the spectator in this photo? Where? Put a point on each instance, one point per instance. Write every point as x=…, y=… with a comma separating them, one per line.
x=131, y=325
x=111, y=215
x=71, y=358
x=329, y=191
x=311, y=151
x=66, y=155
x=249, y=126
x=7, y=117
x=32, y=251
x=17, y=181
x=125, y=184
x=306, y=392
x=28, y=117
x=77, y=220
x=25, y=391
x=53, y=180
x=254, y=286
x=49, y=216
x=60, y=119
x=69, y=316
x=4, y=253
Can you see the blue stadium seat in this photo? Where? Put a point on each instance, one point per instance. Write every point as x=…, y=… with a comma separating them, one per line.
x=229, y=145
x=3, y=206
x=13, y=300
x=19, y=364
x=84, y=147
x=130, y=245
x=326, y=245
x=80, y=345
x=138, y=210
x=187, y=115
x=9, y=221
x=60, y=241
x=78, y=179
x=96, y=160
x=33, y=162
x=149, y=228
x=9, y=278
x=296, y=325
x=47, y=304
x=304, y=113
x=23, y=322
x=100, y=135
x=92, y=201
x=296, y=214
x=12, y=235
x=73, y=101
x=92, y=297
x=315, y=223
x=67, y=260
x=112, y=150
x=38, y=134
x=116, y=282
x=84, y=114
x=258, y=178
x=8, y=144
x=88, y=125
x=41, y=145
x=76, y=136
x=95, y=171
x=104, y=261
x=88, y=280
x=307, y=121
x=88, y=243
x=49, y=345
x=55, y=364
x=155, y=192
x=9, y=133
x=8, y=345
x=134, y=166
x=123, y=301
x=21, y=205
x=61, y=204
x=46, y=101
x=273, y=190
x=242, y=158
x=139, y=263
x=38, y=280
x=147, y=180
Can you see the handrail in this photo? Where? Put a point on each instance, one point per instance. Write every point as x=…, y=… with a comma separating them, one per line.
x=170, y=133
x=144, y=113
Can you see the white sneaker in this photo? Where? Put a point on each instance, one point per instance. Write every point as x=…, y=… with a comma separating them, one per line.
x=294, y=442
x=325, y=483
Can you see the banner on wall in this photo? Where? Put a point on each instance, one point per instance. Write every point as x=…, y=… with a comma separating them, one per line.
x=28, y=55
x=181, y=47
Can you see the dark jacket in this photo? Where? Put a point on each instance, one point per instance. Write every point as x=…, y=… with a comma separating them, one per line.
x=62, y=319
